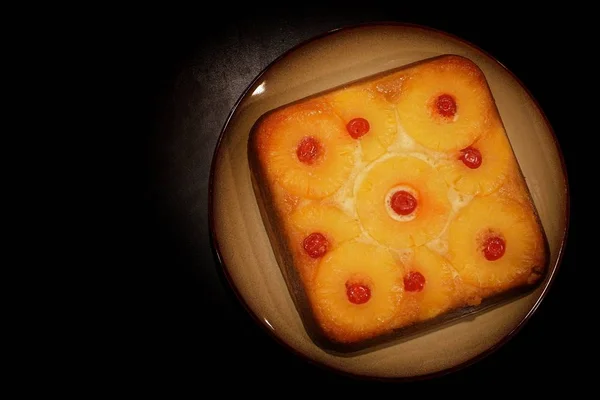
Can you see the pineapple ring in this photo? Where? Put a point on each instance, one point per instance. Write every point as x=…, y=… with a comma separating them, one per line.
x=359, y=102
x=432, y=210
x=455, y=78
x=390, y=87
x=367, y=265
x=496, y=159
x=494, y=216
x=436, y=296
x=310, y=222
x=330, y=221
x=332, y=166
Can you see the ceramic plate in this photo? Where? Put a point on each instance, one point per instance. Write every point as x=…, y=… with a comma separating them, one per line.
x=241, y=241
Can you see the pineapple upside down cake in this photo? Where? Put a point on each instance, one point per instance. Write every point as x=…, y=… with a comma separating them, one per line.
x=396, y=199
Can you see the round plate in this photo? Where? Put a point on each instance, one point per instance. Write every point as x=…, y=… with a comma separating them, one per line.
x=241, y=241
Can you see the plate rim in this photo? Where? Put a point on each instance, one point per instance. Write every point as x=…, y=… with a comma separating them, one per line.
x=225, y=271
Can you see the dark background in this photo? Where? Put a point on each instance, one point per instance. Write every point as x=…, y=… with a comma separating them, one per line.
x=184, y=69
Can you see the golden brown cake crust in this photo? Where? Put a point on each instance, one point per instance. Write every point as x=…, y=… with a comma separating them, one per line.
x=328, y=200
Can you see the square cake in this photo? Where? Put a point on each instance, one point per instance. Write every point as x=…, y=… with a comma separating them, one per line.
x=395, y=200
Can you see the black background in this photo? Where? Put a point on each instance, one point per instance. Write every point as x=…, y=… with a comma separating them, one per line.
x=184, y=69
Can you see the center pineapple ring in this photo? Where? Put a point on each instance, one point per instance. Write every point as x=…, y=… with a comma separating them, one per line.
x=416, y=177
x=388, y=203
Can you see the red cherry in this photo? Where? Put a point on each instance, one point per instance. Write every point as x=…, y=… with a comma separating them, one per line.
x=308, y=150
x=471, y=157
x=358, y=127
x=358, y=294
x=414, y=281
x=315, y=245
x=403, y=203
x=446, y=105
x=494, y=248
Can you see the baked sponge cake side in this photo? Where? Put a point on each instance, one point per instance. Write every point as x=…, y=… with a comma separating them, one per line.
x=395, y=200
